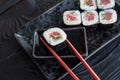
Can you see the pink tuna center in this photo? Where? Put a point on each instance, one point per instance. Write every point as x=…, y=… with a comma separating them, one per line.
x=108, y=15
x=55, y=35
x=71, y=17
x=105, y=2
x=90, y=16
x=90, y=2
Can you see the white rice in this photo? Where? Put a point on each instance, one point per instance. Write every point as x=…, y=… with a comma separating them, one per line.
x=101, y=6
x=74, y=22
x=50, y=40
x=87, y=23
x=86, y=7
x=112, y=20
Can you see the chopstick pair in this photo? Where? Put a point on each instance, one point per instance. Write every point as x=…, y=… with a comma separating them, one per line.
x=73, y=75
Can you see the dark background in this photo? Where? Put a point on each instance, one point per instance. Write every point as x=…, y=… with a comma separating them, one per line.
x=15, y=63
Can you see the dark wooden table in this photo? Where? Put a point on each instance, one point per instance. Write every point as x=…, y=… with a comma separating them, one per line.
x=15, y=63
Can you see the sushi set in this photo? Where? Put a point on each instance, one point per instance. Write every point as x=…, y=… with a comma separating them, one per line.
x=89, y=14
x=86, y=24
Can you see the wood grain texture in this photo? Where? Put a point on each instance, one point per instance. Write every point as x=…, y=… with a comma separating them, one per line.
x=14, y=62
x=6, y=4
x=15, y=13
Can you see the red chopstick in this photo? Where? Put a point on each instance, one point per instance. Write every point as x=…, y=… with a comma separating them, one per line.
x=60, y=60
x=83, y=61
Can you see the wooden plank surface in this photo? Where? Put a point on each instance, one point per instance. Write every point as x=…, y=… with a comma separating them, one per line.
x=14, y=62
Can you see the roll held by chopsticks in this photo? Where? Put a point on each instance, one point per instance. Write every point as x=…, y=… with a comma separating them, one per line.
x=55, y=36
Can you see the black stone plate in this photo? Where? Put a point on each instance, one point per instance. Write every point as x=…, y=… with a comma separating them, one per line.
x=97, y=36
x=105, y=61
x=77, y=37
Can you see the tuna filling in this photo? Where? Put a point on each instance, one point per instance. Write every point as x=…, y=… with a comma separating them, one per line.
x=105, y=2
x=71, y=16
x=108, y=15
x=55, y=35
x=90, y=2
x=90, y=16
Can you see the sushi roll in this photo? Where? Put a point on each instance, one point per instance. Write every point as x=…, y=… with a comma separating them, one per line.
x=72, y=17
x=89, y=18
x=88, y=4
x=105, y=4
x=108, y=16
x=54, y=36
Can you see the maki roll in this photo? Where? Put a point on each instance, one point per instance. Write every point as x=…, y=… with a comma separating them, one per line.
x=88, y=4
x=89, y=18
x=72, y=17
x=105, y=4
x=108, y=16
x=54, y=36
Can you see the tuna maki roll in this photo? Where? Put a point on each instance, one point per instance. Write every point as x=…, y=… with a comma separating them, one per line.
x=54, y=36
x=72, y=17
x=108, y=16
x=89, y=18
x=88, y=4
x=105, y=4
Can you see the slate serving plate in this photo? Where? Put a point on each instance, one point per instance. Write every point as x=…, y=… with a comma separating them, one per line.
x=97, y=36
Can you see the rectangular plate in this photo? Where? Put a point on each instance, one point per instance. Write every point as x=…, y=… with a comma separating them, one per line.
x=77, y=37
x=97, y=36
